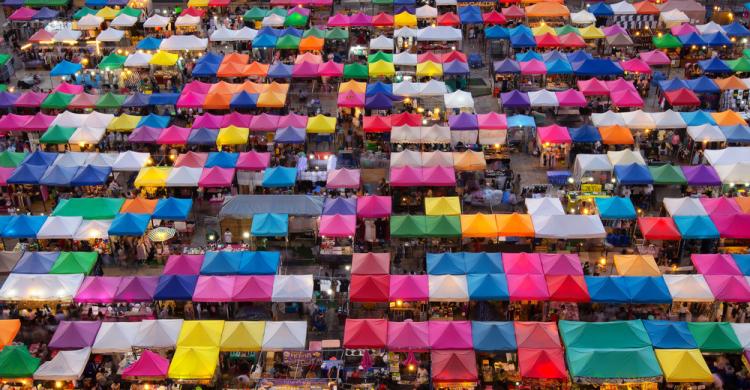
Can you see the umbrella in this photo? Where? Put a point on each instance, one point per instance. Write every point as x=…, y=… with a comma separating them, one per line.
x=161, y=234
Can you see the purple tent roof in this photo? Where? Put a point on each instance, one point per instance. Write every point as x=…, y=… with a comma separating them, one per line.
x=74, y=334
x=463, y=121
x=145, y=135
x=7, y=99
x=455, y=67
x=343, y=206
x=701, y=175
x=614, y=30
x=380, y=101
x=515, y=98
x=507, y=66
x=136, y=289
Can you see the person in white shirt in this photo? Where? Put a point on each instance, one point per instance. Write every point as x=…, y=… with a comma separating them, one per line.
x=227, y=237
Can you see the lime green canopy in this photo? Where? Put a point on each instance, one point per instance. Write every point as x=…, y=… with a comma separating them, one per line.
x=11, y=159
x=355, y=71
x=57, y=100
x=667, y=174
x=387, y=57
x=134, y=12
x=112, y=61
x=666, y=41
x=613, y=334
x=337, y=33
x=17, y=362
x=443, y=226
x=288, y=42
x=295, y=20
x=83, y=12
x=74, y=263
x=255, y=13
x=408, y=226
x=741, y=64
x=314, y=32
x=715, y=337
x=57, y=135
x=110, y=100
x=566, y=29
x=626, y=363
x=89, y=208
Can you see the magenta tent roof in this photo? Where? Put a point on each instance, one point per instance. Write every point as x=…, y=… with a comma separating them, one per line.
x=30, y=99
x=191, y=159
x=729, y=288
x=492, y=121
x=554, y=134
x=655, y=57
x=292, y=120
x=145, y=135
x=183, y=265
x=208, y=121
x=39, y=122
x=450, y=335
x=533, y=66
x=5, y=174
x=371, y=263
x=198, y=87
x=635, y=65
x=351, y=99
x=74, y=335
x=23, y=13
x=305, y=69
x=522, y=263
x=173, y=135
x=528, y=287
x=253, y=161
x=684, y=29
x=614, y=30
x=408, y=336
x=406, y=177
x=148, y=365
x=409, y=288
x=214, y=289
x=338, y=225
x=331, y=69
x=626, y=98
x=65, y=87
x=373, y=206
x=571, y=98
x=439, y=176
x=620, y=84
x=236, y=119
x=98, y=289
x=735, y=226
x=593, y=87
x=360, y=19
x=252, y=288
x=264, y=122
x=561, y=264
x=720, y=206
x=715, y=264
x=136, y=289
x=189, y=99
x=338, y=20
x=343, y=178
x=13, y=121
x=216, y=177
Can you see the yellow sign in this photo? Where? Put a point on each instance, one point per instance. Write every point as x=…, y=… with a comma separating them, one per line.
x=591, y=188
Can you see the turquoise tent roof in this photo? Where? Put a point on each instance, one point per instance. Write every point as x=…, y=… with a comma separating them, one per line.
x=260, y=263
x=270, y=225
x=153, y=120
x=615, y=208
x=590, y=365
x=696, y=227
x=697, y=118
x=221, y=263
x=129, y=224
x=612, y=334
x=279, y=177
x=175, y=209
x=488, y=287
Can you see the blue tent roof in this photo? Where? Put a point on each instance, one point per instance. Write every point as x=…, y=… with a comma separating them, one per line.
x=483, y=263
x=279, y=177
x=163, y=99
x=45, y=13
x=205, y=69
x=492, y=336
x=24, y=226
x=222, y=160
x=291, y=31
x=487, y=287
x=203, y=136
x=585, y=133
x=520, y=120
x=647, y=289
x=696, y=227
x=36, y=262
x=96, y=3
x=27, y=174
x=153, y=120
x=703, y=84
x=579, y=55
x=608, y=289
x=378, y=101
x=244, y=99
x=221, y=263
x=669, y=334
x=4, y=221
x=697, y=118
x=279, y=70
x=736, y=29
x=175, y=287
x=714, y=65
x=743, y=262
x=137, y=99
x=601, y=9
x=40, y=158
x=633, y=174
x=528, y=56
x=268, y=30
x=521, y=29
x=522, y=40
x=470, y=15
x=717, y=39
x=58, y=175
x=691, y=39
x=446, y=263
x=507, y=66
x=673, y=84
x=290, y=135
x=615, y=208
x=270, y=225
x=496, y=32
x=91, y=175
x=174, y=209
x=736, y=133
x=558, y=67
x=65, y=68
x=596, y=67
x=129, y=224
x=265, y=41
x=378, y=87
x=149, y=43
x=210, y=57
x=260, y=263
x=343, y=206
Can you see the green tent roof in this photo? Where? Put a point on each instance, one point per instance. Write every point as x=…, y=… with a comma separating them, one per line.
x=746, y=52
x=667, y=174
x=715, y=337
x=613, y=334
x=17, y=362
x=112, y=61
x=355, y=71
x=11, y=159
x=57, y=100
x=83, y=12
x=288, y=42
x=337, y=33
x=3, y=87
x=382, y=2
x=110, y=100
x=277, y=11
x=57, y=135
x=89, y=208
x=4, y=58
x=295, y=20
x=134, y=12
x=255, y=13
x=408, y=226
x=46, y=3
x=314, y=32
x=606, y=363
x=666, y=41
x=443, y=226
x=387, y=57
x=74, y=263
x=741, y=64
x=567, y=29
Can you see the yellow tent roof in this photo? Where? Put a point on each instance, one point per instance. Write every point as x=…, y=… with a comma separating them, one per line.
x=728, y=118
x=351, y=85
x=232, y=135
x=405, y=19
x=636, y=265
x=152, y=177
x=543, y=29
x=444, y=205
x=469, y=161
x=163, y=58
x=194, y=363
x=514, y=225
x=200, y=333
x=242, y=336
x=381, y=68
x=478, y=225
x=271, y=99
x=197, y=3
x=429, y=69
x=591, y=32
x=124, y=122
x=277, y=87
x=683, y=365
x=108, y=13
x=321, y=124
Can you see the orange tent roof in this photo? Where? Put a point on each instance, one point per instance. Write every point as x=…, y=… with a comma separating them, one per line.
x=8, y=331
x=478, y=225
x=278, y=88
x=236, y=58
x=616, y=135
x=514, y=225
x=646, y=8
x=217, y=101
x=139, y=206
x=231, y=69
x=311, y=43
x=731, y=82
x=543, y=1
x=728, y=118
x=256, y=69
x=547, y=9
x=271, y=100
x=225, y=87
x=253, y=87
x=744, y=203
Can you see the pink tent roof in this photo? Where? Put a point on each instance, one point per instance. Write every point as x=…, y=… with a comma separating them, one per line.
x=292, y=120
x=450, y=335
x=253, y=288
x=214, y=289
x=620, y=84
x=173, y=135
x=136, y=289
x=39, y=122
x=30, y=99
x=148, y=365
x=371, y=263
x=735, y=226
x=5, y=174
x=22, y=14
x=571, y=98
x=197, y=87
x=593, y=87
x=183, y=265
x=729, y=288
x=98, y=289
x=338, y=20
x=236, y=119
x=65, y=87
x=305, y=70
x=373, y=206
x=522, y=263
x=554, y=134
x=626, y=98
x=189, y=99
x=409, y=288
x=439, y=176
x=406, y=177
x=655, y=57
x=41, y=35
x=715, y=264
x=351, y=99
x=216, y=177
x=528, y=287
x=360, y=20
x=84, y=100
x=492, y=121
x=209, y=121
x=533, y=66
x=720, y=206
x=408, y=336
x=264, y=122
x=253, y=161
x=614, y=30
x=636, y=65
x=561, y=264
x=13, y=121
x=684, y=29
x=343, y=178
x=191, y=159
x=331, y=69
x=537, y=335
x=337, y=225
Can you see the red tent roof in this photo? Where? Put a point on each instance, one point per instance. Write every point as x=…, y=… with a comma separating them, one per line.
x=382, y=20
x=365, y=333
x=454, y=55
x=542, y=363
x=428, y=56
x=406, y=119
x=454, y=366
x=658, y=228
x=371, y=263
x=376, y=124
x=547, y=40
x=494, y=17
x=369, y=288
x=448, y=19
x=567, y=288
x=537, y=335
x=682, y=97
x=193, y=12
x=514, y=12
x=571, y=40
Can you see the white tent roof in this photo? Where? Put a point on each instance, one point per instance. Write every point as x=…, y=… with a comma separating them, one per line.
x=184, y=42
x=406, y=158
x=92, y=229
x=72, y=159
x=156, y=21
x=283, y=335
x=466, y=137
x=625, y=157
x=426, y=12
x=544, y=206
x=102, y=159
x=44, y=287
x=59, y=228
x=123, y=20
x=710, y=28
x=65, y=366
x=568, y=226
x=246, y=34
x=582, y=17
x=87, y=135
x=89, y=22
x=433, y=88
x=406, y=88
x=436, y=134
x=115, y=337
x=448, y=288
x=688, y=288
x=638, y=120
x=543, y=98
x=381, y=43
x=273, y=20
x=110, y=35
x=727, y=156
x=586, y=163
x=69, y=119
x=405, y=59
x=292, y=288
x=439, y=34
x=67, y=35
x=438, y=159
x=405, y=32
x=706, y=133
x=459, y=99
x=493, y=137
x=406, y=134
x=608, y=118
x=743, y=332
x=223, y=34
x=673, y=17
x=158, y=333
x=98, y=119
x=684, y=206
x=187, y=20
x=734, y=173
x=138, y=60
x=131, y=161
x=668, y=120
x=623, y=8
x=445, y=2
x=184, y=177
